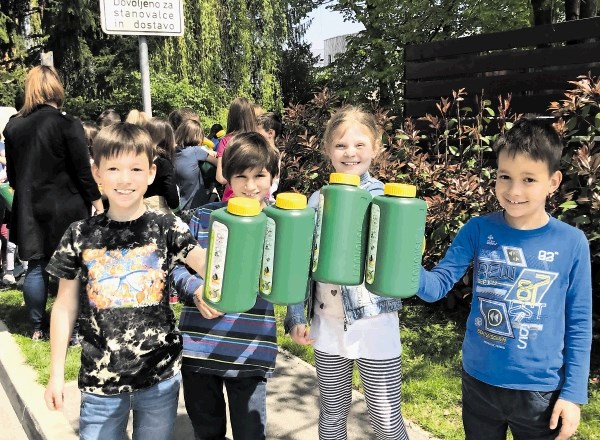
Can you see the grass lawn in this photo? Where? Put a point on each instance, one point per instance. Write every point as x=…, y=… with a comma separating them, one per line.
x=431, y=343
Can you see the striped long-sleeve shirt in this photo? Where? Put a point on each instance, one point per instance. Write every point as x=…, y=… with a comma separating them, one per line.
x=233, y=345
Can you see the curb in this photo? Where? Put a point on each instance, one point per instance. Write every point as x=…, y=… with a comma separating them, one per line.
x=39, y=423
x=27, y=396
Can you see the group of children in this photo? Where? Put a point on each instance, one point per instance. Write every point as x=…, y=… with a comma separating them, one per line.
x=189, y=164
x=525, y=355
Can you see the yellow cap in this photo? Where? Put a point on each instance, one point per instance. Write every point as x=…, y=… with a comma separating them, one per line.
x=243, y=206
x=399, y=190
x=208, y=143
x=290, y=201
x=220, y=134
x=345, y=179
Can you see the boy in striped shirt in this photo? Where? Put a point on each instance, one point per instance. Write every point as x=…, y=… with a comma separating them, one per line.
x=234, y=350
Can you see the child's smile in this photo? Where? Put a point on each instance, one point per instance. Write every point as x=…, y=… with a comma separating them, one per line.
x=253, y=183
x=124, y=180
x=522, y=186
x=352, y=150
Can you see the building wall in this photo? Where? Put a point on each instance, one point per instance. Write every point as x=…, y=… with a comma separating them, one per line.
x=333, y=47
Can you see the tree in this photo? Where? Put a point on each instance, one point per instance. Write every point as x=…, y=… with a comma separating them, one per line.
x=230, y=48
x=576, y=9
x=547, y=11
x=17, y=22
x=297, y=73
x=372, y=66
x=14, y=15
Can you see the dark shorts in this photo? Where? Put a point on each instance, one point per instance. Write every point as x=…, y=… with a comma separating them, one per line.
x=489, y=410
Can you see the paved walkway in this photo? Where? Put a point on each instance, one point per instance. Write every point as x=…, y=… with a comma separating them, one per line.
x=292, y=403
x=11, y=425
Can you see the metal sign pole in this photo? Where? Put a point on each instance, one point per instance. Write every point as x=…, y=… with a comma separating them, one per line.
x=135, y=17
x=145, y=71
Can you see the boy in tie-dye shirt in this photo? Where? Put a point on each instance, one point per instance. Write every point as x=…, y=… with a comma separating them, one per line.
x=113, y=270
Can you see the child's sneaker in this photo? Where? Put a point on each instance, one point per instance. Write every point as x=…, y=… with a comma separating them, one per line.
x=9, y=279
x=38, y=335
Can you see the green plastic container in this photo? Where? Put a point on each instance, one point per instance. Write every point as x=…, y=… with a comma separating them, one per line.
x=341, y=232
x=235, y=245
x=288, y=244
x=395, y=246
x=6, y=192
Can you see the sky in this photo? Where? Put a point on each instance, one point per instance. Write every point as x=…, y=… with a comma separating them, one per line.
x=327, y=24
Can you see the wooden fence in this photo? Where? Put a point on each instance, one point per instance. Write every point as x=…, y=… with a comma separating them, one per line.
x=533, y=64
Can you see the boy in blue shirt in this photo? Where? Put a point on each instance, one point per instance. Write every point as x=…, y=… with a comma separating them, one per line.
x=131, y=348
x=526, y=351
x=233, y=350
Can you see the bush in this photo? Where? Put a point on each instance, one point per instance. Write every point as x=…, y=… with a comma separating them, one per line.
x=448, y=157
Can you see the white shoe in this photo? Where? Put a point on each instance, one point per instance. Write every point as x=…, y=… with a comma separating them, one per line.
x=9, y=279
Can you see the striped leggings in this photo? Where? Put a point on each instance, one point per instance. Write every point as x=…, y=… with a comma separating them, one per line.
x=381, y=380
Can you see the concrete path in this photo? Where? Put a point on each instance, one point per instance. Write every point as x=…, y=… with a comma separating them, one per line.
x=11, y=424
x=292, y=403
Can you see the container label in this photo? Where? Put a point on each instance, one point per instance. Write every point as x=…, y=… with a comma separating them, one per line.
x=217, y=251
x=266, y=273
x=372, y=246
x=315, y=258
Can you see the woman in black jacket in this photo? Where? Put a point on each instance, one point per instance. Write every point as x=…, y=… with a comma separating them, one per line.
x=48, y=166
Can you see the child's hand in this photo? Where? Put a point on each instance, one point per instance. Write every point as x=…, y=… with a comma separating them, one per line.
x=301, y=335
x=570, y=414
x=54, y=396
x=204, y=309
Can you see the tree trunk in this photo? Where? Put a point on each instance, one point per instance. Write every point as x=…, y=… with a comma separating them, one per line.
x=542, y=12
x=572, y=9
x=576, y=9
x=588, y=9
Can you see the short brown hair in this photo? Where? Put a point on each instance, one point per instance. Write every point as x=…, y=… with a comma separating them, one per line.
x=249, y=150
x=179, y=116
x=534, y=138
x=90, y=131
x=122, y=138
x=108, y=117
x=42, y=85
x=270, y=121
x=189, y=134
x=162, y=136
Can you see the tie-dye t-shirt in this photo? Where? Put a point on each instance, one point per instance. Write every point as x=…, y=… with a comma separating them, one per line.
x=129, y=336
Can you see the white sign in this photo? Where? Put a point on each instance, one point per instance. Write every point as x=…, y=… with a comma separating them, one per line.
x=142, y=17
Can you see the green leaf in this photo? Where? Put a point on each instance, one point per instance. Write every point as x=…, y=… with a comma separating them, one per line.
x=582, y=220
x=585, y=111
x=490, y=111
x=571, y=204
